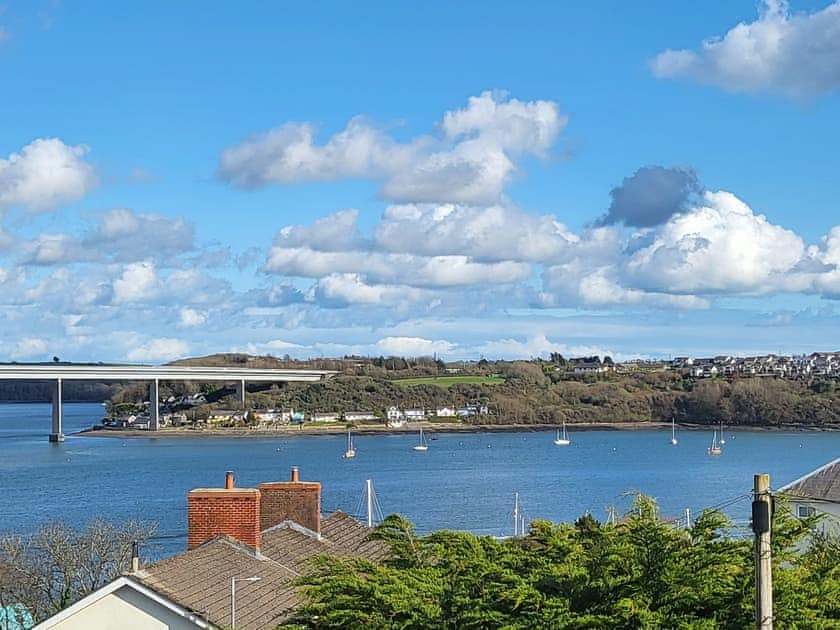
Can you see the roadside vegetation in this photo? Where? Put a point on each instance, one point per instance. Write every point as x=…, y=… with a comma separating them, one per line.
x=640, y=573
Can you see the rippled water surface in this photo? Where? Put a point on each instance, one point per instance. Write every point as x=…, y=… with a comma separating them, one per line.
x=461, y=482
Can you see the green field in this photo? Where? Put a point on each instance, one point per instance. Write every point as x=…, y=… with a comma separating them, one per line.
x=446, y=381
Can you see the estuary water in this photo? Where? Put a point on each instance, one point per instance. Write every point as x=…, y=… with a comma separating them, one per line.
x=464, y=481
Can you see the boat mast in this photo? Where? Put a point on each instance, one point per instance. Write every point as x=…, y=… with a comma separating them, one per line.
x=515, y=513
x=370, y=503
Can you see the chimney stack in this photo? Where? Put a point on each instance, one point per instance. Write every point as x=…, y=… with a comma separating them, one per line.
x=229, y=510
x=295, y=500
x=135, y=557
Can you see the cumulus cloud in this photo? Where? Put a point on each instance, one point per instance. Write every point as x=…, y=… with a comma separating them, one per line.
x=44, y=174
x=119, y=235
x=190, y=317
x=159, y=351
x=487, y=233
x=796, y=54
x=29, y=347
x=137, y=282
x=720, y=247
x=413, y=346
x=436, y=271
x=471, y=163
x=651, y=196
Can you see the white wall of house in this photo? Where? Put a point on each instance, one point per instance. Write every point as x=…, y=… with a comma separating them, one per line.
x=830, y=522
x=124, y=609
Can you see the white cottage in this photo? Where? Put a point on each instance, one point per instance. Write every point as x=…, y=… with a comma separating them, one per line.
x=817, y=493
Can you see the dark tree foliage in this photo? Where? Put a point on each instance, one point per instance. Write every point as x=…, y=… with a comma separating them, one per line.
x=641, y=573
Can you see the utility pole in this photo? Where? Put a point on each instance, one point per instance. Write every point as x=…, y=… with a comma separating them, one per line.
x=761, y=524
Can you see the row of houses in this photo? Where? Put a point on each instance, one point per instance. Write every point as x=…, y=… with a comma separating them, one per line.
x=284, y=416
x=783, y=366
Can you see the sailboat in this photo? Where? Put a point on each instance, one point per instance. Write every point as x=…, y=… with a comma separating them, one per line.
x=421, y=444
x=350, y=452
x=715, y=448
x=673, y=431
x=722, y=441
x=562, y=441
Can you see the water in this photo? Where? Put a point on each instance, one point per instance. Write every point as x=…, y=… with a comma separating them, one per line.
x=462, y=481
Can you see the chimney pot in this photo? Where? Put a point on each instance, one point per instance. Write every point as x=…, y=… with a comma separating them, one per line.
x=295, y=474
x=229, y=480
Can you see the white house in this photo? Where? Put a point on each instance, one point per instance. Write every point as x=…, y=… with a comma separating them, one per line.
x=394, y=413
x=359, y=416
x=324, y=417
x=414, y=414
x=817, y=493
x=445, y=412
x=126, y=604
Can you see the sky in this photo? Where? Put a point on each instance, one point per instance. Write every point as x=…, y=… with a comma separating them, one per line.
x=473, y=179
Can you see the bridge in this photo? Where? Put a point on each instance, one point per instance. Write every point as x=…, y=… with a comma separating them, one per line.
x=58, y=373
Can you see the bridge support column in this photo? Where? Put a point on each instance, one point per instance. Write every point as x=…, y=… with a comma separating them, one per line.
x=56, y=435
x=154, y=405
x=240, y=393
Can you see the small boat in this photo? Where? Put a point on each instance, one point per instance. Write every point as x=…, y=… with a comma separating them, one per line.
x=350, y=452
x=564, y=440
x=715, y=448
x=721, y=441
x=422, y=445
x=673, y=432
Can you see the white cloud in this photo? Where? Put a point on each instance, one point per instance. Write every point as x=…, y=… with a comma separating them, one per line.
x=796, y=54
x=338, y=231
x=471, y=163
x=436, y=271
x=191, y=317
x=536, y=346
x=720, y=247
x=350, y=288
x=491, y=233
x=45, y=173
x=138, y=282
x=413, y=346
x=29, y=347
x=158, y=350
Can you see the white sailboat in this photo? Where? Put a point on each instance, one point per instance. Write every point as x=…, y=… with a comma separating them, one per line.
x=715, y=448
x=721, y=441
x=351, y=451
x=673, y=431
x=564, y=440
x=422, y=445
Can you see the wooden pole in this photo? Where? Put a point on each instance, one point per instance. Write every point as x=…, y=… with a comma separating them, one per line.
x=762, y=517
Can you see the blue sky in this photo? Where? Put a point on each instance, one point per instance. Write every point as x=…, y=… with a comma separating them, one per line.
x=471, y=179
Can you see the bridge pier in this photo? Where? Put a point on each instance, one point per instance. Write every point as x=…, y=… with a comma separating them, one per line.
x=154, y=405
x=56, y=435
x=240, y=393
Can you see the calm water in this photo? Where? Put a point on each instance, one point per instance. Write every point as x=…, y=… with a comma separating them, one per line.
x=461, y=482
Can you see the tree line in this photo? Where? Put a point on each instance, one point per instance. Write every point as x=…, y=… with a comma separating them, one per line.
x=640, y=573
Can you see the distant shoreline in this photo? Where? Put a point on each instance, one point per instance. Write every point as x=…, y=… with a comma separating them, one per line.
x=434, y=427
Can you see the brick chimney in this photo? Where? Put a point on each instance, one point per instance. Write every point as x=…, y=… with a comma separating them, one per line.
x=295, y=500
x=229, y=510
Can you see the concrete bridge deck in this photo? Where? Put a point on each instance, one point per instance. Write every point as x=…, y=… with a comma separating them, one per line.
x=57, y=373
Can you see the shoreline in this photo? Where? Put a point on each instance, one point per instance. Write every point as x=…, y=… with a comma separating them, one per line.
x=431, y=428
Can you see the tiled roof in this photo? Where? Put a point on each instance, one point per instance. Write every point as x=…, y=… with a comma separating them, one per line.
x=823, y=484
x=199, y=579
x=345, y=531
